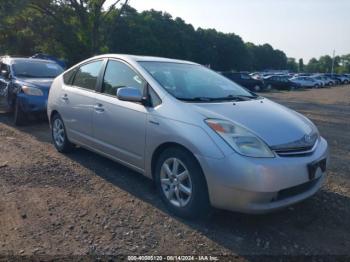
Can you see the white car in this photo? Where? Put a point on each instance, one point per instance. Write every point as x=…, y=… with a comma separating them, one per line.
x=344, y=79
x=204, y=140
x=329, y=81
x=307, y=81
x=320, y=79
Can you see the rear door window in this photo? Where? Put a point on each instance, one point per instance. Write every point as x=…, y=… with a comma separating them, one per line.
x=245, y=76
x=4, y=67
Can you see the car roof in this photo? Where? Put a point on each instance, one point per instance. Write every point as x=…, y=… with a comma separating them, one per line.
x=136, y=58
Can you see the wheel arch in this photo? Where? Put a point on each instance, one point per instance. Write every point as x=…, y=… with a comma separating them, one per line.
x=162, y=147
x=53, y=112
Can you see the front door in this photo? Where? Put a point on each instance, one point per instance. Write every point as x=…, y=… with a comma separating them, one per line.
x=119, y=127
x=5, y=101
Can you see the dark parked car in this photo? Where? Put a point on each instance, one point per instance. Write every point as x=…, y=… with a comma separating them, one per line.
x=244, y=79
x=279, y=82
x=25, y=84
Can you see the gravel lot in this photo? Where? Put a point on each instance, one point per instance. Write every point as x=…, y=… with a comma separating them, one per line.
x=81, y=203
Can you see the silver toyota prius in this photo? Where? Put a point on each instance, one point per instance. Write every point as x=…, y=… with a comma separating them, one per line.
x=204, y=140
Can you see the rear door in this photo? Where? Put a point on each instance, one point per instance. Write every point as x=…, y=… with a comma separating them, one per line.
x=119, y=126
x=78, y=101
x=279, y=81
x=273, y=81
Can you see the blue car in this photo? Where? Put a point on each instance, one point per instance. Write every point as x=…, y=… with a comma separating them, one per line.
x=25, y=84
x=52, y=58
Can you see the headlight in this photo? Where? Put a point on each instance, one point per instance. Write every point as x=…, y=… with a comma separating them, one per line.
x=240, y=139
x=32, y=91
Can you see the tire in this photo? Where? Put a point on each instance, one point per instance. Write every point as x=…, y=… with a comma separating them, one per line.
x=194, y=203
x=346, y=82
x=257, y=88
x=59, y=135
x=316, y=86
x=268, y=87
x=19, y=117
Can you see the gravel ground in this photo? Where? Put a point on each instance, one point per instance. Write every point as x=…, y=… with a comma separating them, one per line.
x=81, y=203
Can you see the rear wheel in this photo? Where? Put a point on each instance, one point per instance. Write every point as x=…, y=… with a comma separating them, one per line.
x=59, y=135
x=316, y=86
x=181, y=183
x=269, y=87
x=19, y=117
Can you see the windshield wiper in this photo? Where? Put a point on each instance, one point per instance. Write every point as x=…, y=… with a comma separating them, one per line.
x=196, y=99
x=235, y=98
x=215, y=99
x=31, y=76
x=26, y=75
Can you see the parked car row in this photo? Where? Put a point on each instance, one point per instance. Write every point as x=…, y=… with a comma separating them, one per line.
x=204, y=140
x=25, y=82
x=266, y=81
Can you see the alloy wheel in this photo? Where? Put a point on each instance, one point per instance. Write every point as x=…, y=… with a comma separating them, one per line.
x=176, y=182
x=58, y=132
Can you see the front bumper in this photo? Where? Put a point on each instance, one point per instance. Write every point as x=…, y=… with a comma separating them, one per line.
x=257, y=185
x=32, y=104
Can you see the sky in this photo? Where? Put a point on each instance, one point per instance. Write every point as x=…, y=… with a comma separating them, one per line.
x=300, y=28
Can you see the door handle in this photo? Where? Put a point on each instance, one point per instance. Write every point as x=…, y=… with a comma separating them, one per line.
x=99, y=108
x=65, y=97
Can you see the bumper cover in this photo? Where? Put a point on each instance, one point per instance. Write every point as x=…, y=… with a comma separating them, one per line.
x=32, y=104
x=253, y=185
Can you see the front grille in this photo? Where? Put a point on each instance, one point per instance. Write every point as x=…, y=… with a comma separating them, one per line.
x=296, y=151
x=296, y=190
x=301, y=147
x=300, y=151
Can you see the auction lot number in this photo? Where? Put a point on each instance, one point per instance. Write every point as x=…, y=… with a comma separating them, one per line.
x=172, y=258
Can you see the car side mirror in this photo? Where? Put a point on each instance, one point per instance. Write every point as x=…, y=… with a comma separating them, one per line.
x=130, y=94
x=5, y=74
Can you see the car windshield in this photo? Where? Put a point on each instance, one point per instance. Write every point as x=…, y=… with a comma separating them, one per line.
x=190, y=82
x=36, y=69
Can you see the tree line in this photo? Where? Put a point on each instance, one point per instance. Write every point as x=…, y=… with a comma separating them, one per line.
x=77, y=29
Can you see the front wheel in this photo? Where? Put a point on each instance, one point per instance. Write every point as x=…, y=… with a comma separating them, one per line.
x=59, y=135
x=19, y=117
x=181, y=184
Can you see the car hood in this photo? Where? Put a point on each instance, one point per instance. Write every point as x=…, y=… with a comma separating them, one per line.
x=44, y=83
x=277, y=125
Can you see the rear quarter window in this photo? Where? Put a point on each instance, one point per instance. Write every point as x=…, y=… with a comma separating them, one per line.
x=68, y=76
